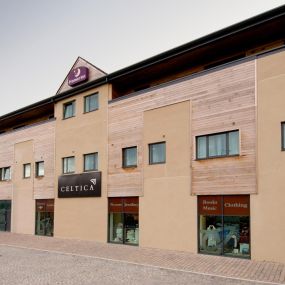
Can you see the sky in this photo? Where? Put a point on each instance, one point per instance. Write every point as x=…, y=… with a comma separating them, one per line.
x=40, y=40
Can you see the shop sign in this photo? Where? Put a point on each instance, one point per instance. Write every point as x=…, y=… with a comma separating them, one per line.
x=236, y=205
x=115, y=205
x=124, y=205
x=210, y=205
x=131, y=205
x=78, y=75
x=80, y=185
x=45, y=205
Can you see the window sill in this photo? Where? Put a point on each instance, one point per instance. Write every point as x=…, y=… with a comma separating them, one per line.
x=156, y=163
x=67, y=173
x=68, y=118
x=91, y=170
x=87, y=112
x=214, y=157
x=129, y=167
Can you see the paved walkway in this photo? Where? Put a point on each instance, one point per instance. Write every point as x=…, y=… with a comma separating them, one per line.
x=270, y=272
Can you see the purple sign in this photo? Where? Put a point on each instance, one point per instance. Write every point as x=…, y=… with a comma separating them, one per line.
x=78, y=75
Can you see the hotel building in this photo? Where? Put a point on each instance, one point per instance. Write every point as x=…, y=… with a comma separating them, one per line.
x=182, y=151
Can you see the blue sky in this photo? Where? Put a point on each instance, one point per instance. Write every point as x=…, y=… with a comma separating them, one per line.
x=40, y=40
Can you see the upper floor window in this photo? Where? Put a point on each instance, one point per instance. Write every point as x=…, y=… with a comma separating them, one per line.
x=217, y=145
x=130, y=157
x=157, y=153
x=40, y=169
x=27, y=170
x=91, y=161
x=68, y=164
x=69, y=110
x=91, y=103
x=283, y=136
x=5, y=173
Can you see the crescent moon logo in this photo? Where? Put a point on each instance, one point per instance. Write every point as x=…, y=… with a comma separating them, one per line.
x=77, y=72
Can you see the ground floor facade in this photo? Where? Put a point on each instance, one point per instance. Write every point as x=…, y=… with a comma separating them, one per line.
x=220, y=225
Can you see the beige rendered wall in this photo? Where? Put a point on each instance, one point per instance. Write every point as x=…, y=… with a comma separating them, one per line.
x=267, y=208
x=82, y=218
x=168, y=212
x=23, y=205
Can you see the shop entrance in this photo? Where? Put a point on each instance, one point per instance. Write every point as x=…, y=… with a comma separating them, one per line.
x=224, y=225
x=5, y=215
x=124, y=220
x=44, y=217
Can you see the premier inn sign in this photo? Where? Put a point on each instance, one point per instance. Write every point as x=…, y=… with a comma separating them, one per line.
x=78, y=75
x=80, y=185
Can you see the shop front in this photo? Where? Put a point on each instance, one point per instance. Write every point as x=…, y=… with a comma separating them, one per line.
x=224, y=225
x=44, y=217
x=5, y=215
x=124, y=220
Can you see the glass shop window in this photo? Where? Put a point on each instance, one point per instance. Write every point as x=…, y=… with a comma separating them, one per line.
x=224, y=225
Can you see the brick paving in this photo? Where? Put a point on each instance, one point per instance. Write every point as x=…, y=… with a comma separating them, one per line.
x=213, y=265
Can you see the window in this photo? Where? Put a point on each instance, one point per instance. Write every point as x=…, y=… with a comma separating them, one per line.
x=224, y=225
x=40, y=169
x=5, y=173
x=157, y=153
x=91, y=161
x=130, y=157
x=27, y=170
x=217, y=145
x=69, y=164
x=283, y=136
x=91, y=103
x=69, y=110
x=124, y=220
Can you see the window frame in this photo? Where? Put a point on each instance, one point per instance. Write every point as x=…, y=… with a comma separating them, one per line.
x=282, y=136
x=37, y=168
x=123, y=157
x=88, y=96
x=150, y=153
x=71, y=172
x=227, y=145
x=24, y=172
x=96, y=162
x=73, y=110
x=1, y=175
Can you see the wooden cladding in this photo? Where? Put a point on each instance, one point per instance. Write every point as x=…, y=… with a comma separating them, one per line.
x=221, y=100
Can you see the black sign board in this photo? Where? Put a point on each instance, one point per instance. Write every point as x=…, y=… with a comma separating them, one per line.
x=80, y=185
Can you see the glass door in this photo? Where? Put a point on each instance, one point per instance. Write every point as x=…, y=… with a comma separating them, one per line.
x=5, y=215
x=44, y=217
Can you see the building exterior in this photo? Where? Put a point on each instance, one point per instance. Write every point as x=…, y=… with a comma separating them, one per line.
x=182, y=151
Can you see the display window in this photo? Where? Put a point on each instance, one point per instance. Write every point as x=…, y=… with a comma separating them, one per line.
x=224, y=225
x=44, y=217
x=5, y=215
x=124, y=220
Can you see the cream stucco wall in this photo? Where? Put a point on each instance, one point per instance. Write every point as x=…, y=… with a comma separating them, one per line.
x=23, y=205
x=83, y=218
x=267, y=207
x=168, y=212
